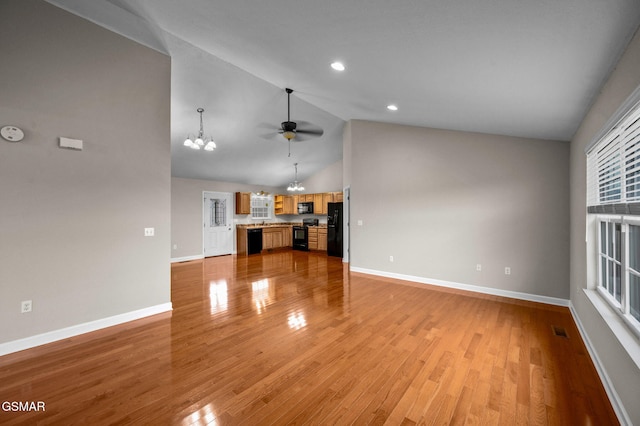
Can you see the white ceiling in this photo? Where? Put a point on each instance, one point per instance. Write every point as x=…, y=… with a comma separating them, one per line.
x=511, y=67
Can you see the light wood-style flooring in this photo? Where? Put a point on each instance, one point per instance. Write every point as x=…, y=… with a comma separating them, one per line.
x=293, y=338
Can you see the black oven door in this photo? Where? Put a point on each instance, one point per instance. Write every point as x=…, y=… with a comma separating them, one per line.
x=300, y=238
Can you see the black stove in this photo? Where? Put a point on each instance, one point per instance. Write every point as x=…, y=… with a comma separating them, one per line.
x=301, y=234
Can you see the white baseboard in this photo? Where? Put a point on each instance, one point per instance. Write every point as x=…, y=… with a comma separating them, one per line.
x=75, y=330
x=616, y=403
x=187, y=258
x=468, y=287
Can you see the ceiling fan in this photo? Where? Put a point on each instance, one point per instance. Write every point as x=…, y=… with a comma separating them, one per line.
x=296, y=131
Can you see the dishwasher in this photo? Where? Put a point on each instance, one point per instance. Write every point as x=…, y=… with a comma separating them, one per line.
x=254, y=241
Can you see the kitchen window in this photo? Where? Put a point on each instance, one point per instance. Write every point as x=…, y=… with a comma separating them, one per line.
x=613, y=200
x=261, y=207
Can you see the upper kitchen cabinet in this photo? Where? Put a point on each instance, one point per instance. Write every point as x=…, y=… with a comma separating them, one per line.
x=318, y=206
x=285, y=204
x=288, y=204
x=243, y=203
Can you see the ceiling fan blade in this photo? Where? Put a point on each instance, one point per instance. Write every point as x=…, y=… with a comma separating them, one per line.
x=314, y=132
x=268, y=131
x=309, y=128
x=272, y=135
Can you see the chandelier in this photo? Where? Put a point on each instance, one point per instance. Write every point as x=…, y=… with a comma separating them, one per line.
x=201, y=141
x=295, y=186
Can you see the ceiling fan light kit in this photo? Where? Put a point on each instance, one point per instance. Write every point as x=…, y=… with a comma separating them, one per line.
x=201, y=141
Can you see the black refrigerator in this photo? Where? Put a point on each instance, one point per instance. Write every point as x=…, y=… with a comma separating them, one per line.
x=334, y=229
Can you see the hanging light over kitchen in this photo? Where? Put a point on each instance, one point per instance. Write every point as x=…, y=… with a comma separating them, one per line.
x=295, y=186
x=201, y=141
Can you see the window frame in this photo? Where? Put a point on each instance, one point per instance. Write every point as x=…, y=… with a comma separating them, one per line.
x=622, y=128
x=622, y=307
x=261, y=207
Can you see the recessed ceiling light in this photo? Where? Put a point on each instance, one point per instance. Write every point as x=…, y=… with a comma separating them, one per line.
x=392, y=107
x=338, y=66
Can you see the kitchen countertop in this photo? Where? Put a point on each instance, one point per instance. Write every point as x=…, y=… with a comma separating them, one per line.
x=275, y=225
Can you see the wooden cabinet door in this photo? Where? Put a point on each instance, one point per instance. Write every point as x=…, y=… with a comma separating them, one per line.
x=243, y=203
x=313, y=238
x=322, y=239
x=287, y=205
x=277, y=239
x=287, y=236
x=327, y=198
x=296, y=200
x=337, y=197
x=267, y=240
x=317, y=204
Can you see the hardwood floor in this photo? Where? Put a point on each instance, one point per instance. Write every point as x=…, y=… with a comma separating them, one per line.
x=294, y=338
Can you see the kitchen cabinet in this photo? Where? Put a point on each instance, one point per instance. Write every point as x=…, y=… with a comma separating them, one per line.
x=317, y=238
x=287, y=235
x=322, y=239
x=288, y=204
x=243, y=203
x=317, y=204
x=312, y=235
x=284, y=204
x=320, y=202
x=278, y=204
x=275, y=237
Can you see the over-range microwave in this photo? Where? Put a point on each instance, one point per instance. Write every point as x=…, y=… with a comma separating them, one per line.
x=305, y=208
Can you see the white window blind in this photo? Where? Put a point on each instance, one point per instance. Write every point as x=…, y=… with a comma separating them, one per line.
x=631, y=143
x=613, y=166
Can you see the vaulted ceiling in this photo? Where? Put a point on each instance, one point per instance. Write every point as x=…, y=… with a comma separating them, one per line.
x=519, y=68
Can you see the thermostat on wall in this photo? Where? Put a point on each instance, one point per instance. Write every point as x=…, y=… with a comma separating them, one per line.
x=11, y=133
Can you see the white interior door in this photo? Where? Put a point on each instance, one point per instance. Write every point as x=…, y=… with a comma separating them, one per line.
x=218, y=229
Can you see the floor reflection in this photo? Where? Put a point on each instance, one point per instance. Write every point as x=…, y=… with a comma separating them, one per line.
x=297, y=320
x=218, y=296
x=235, y=285
x=203, y=417
x=261, y=294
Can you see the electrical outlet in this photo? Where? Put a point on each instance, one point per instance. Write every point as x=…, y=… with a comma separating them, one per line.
x=26, y=306
x=478, y=267
x=149, y=232
x=390, y=258
x=175, y=247
x=507, y=271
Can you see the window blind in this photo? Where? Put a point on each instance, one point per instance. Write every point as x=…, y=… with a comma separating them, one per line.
x=613, y=168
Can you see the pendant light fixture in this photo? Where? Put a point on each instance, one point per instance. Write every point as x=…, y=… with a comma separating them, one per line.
x=201, y=141
x=295, y=186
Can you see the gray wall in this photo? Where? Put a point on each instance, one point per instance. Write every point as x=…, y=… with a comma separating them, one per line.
x=621, y=369
x=443, y=201
x=327, y=180
x=72, y=222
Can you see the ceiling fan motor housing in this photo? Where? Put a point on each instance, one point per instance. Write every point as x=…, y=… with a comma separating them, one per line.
x=289, y=126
